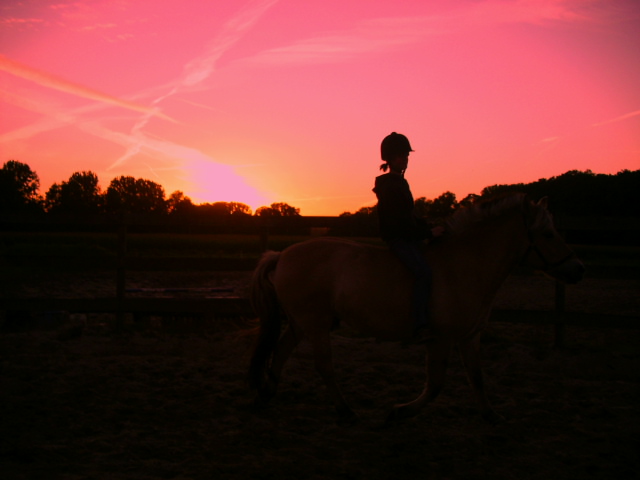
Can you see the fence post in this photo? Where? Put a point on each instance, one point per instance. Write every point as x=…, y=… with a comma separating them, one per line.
x=560, y=300
x=559, y=314
x=264, y=238
x=265, y=223
x=120, y=273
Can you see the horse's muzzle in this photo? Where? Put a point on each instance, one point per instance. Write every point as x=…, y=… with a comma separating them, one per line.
x=570, y=271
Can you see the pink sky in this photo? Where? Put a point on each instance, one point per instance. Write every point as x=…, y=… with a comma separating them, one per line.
x=287, y=101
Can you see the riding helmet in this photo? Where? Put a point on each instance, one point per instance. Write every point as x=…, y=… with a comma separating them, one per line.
x=394, y=144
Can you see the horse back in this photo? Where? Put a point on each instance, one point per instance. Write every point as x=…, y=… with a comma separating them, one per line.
x=362, y=285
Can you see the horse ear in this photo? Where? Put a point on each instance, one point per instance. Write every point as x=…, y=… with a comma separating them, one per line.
x=543, y=202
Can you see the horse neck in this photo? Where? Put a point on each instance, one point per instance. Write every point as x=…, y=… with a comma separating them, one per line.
x=495, y=247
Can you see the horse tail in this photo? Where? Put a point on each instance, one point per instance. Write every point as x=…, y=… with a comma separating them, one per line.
x=267, y=307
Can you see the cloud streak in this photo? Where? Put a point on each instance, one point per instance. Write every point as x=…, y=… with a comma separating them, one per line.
x=195, y=72
x=618, y=119
x=55, y=119
x=373, y=36
x=201, y=68
x=552, y=141
x=51, y=81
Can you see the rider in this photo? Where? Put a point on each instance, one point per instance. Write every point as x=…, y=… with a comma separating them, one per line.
x=400, y=228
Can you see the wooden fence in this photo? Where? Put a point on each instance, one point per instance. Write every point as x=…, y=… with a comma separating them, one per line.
x=226, y=306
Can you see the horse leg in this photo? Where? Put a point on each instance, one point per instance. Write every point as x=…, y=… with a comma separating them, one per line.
x=470, y=353
x=322, y=357
x=289, y=340
x=437, y=361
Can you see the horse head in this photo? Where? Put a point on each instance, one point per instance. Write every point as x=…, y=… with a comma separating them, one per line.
x=547, y=250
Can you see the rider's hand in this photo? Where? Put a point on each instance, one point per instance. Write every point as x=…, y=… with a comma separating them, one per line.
x=437, y=231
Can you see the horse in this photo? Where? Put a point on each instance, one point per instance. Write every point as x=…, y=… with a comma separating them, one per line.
x=319, y=282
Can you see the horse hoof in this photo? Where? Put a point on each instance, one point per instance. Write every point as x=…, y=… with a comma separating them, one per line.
x=346, y=416
x=260, y=401
x=393, y=416
x=397, y=413
x=264, y=396
x=493, y=418
x=267, y=390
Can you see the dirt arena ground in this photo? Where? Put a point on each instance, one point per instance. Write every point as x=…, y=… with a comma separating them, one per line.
x=84, y=403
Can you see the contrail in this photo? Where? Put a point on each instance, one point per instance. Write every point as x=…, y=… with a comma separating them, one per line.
x=199, y=105
x=60, y=84
x=195, y=72
x=552, y=141
x=54, y=119
x=200, y=68
x=617, y=119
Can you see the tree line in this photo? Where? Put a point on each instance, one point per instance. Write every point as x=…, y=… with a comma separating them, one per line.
x=82, y=195
x=574, y=193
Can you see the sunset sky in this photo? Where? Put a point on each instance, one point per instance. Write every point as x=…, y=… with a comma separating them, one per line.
x=287, y=101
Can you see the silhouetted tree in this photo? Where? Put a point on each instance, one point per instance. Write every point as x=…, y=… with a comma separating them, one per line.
x=19, y=188
x=278, y=210
x=236, y=208
x=209, y=210
x=363, y=212
x=80, y=194
x=469, y=200
x=130, y=195
x=422, y=207
x=443, y=206
x=585, y=193
x=53, y=197
x=440, y=207
x=179, y=204
x=573, y=193
x=624, y=192
x=364, y=222
x=222, y=210
x=367, y=211
x=499, y=190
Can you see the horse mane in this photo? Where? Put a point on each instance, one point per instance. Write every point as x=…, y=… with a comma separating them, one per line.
x=468, y=217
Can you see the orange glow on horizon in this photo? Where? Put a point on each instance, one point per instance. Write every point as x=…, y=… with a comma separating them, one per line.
x=209, y=183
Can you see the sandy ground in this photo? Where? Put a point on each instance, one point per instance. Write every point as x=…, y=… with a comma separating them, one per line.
x=151, y=404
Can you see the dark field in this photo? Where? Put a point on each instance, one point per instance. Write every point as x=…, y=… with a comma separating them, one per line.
x=79, y=402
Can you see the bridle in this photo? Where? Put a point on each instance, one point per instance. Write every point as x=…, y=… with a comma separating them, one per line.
x=533, y=248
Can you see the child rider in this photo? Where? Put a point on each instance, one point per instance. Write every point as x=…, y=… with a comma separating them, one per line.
x=400, y=228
